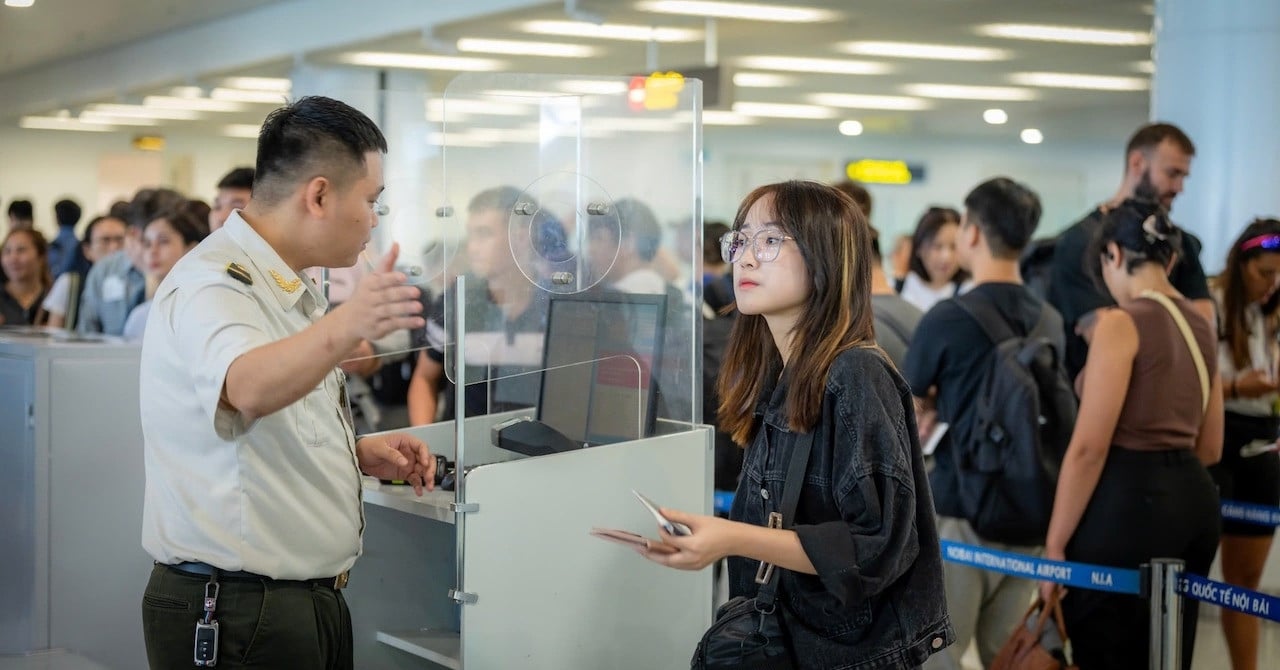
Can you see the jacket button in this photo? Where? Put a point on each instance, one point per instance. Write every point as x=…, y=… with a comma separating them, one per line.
x=937, y=643
x=764, y=493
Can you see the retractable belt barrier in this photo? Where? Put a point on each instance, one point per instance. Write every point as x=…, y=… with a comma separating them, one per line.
x=1229, y=596
x=1079, y=575
x=1262, y=515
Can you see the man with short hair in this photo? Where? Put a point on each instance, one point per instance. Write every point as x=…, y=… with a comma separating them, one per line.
x=21, y=215
x=945, y=367
x=896, y=319
x=63, y=247
x=234, y=190
x=253, y=468
x=1157, y=163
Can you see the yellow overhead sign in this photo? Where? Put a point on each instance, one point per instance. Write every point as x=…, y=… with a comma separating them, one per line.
x=872, y=171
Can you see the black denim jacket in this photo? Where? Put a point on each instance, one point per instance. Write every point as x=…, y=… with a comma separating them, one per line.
x=865, y=519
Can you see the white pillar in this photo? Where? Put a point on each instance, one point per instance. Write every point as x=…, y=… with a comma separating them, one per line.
x=1217, y=76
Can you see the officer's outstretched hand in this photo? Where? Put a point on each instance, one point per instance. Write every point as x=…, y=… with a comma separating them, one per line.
x=397, y=456
x=381, y=302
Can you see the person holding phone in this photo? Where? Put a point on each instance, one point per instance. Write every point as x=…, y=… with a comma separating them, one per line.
x=861, y=565
x=1248, y=305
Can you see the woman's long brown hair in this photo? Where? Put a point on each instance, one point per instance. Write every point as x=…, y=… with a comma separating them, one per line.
x=1234, y=318
x=835, y=242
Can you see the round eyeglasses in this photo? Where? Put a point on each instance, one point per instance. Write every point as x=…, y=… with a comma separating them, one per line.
x=764, y=244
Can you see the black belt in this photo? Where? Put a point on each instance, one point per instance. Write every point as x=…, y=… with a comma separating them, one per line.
x=197, y=569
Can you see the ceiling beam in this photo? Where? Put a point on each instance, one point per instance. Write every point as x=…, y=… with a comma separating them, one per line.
x=281, y=31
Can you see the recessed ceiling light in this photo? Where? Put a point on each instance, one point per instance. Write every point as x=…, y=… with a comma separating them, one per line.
x=925, y=51
x=193, y=104
x=522, y=48
x=420, y=61
x=856, y=101
x=761, y=80
x=1069, y=34
x=1032, y=136
x=960, y=92
x=825, y=65
x=611, y=31
x=1093, y=82
x=21, y=3
x=57, y=123
x=995, y=117
x=739, y=10
x=259, y=83
x=851, y=128
x=783, y=111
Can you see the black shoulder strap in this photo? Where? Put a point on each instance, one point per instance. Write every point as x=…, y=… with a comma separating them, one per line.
x=790, y=500
x=990, y=320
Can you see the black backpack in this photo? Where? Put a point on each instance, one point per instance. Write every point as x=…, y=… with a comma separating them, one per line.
x=1007, y=465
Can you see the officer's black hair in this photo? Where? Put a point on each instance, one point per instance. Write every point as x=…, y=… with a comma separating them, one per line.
x=241, y=177
x=67, y=212
x=314, y=136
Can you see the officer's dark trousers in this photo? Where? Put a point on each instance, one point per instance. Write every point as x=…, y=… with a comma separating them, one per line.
x=262, y=623
x=1153, y=504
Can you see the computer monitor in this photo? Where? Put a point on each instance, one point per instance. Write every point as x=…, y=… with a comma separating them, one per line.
x=601, y=358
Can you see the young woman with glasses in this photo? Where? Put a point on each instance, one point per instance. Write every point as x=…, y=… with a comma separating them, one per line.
x=860, y=564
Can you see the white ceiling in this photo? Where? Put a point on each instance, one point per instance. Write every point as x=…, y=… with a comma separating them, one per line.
x=65, y=29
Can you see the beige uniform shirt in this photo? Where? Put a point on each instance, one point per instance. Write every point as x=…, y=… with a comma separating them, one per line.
x=279, y=497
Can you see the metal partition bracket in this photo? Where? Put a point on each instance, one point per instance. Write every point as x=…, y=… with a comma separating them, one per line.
x=464, y=508
x=463, y=597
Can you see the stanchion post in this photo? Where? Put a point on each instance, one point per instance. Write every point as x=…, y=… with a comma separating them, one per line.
x=1166, y=614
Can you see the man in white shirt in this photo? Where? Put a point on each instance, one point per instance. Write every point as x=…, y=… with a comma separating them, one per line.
x=253, y=470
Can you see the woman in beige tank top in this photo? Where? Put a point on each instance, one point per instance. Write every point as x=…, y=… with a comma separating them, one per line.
x=1133, y=485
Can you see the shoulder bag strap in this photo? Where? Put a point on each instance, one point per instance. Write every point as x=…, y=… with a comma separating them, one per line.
x=989, y=319
x=1183, y=326
x=796, y=467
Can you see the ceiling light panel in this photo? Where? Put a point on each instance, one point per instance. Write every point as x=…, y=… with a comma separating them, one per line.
x=739, y=10
x=960, y=92
x=192, y=104
x=611, y=31
x=712, y=117
x=783, y=111
x=522, y=48
x=924, y=51
x=592, y=87
x=762, y=80
x=251, y=96
x=855, y=101
x=278, y=84
x=243, y=130
x=824, y=65
x=58, y=123
x=140, y=112
x=1067, y=34
x=1091, y=82
x=413, y=61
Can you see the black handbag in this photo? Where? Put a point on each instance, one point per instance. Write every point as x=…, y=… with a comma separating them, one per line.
x=751, y=633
